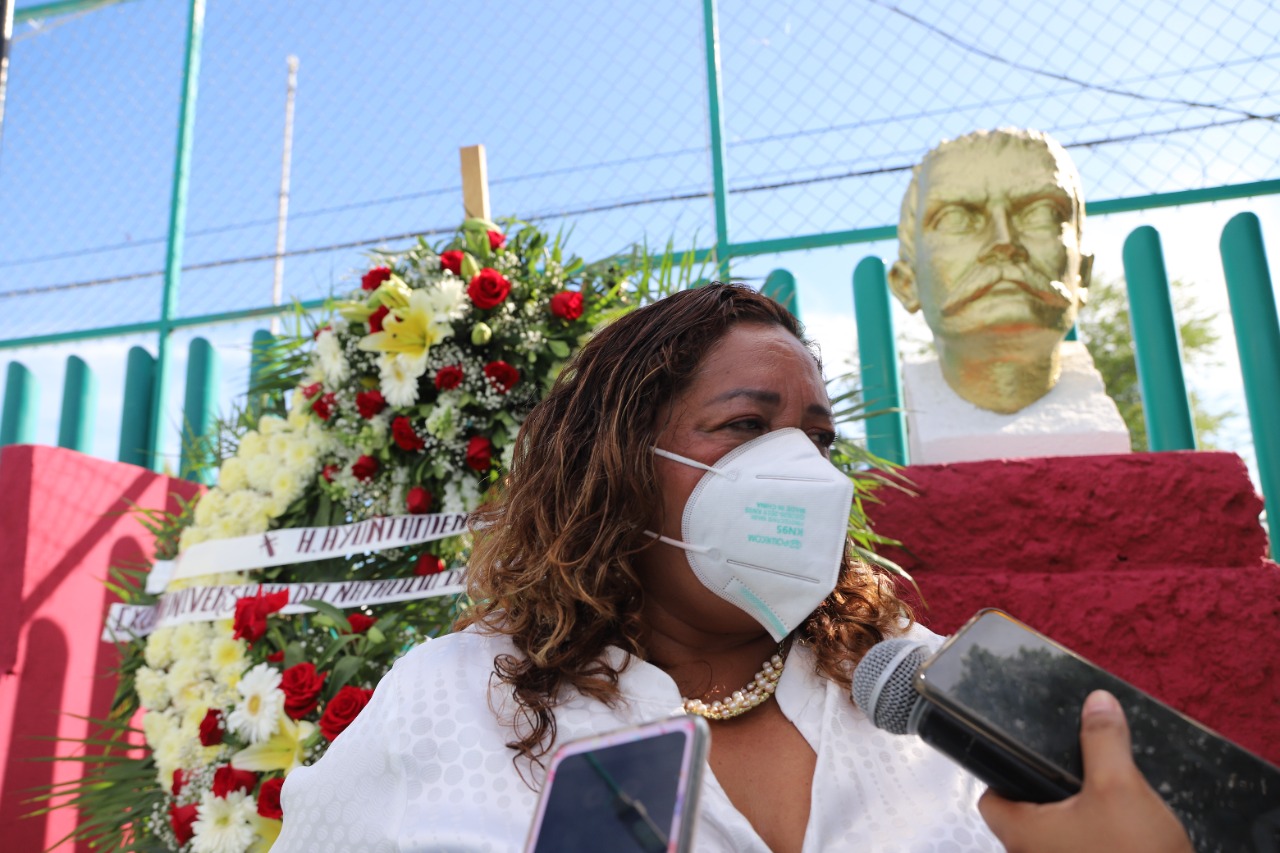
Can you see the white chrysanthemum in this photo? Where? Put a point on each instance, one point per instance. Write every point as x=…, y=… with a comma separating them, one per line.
x=233, y=476
x=443, y=422
x=226, y=527
x=257, y=716
x=331, y=359
x=286, y=486
x=398, y=377
x=270, y=424
x=157, y=726
x=227, y=660
x=251, y=444
x=224, y=824
x=278, y=444
x=152, y=687
x=159, y=650
x=184, y=673
x=301, y=455
x=259, y=470
x=190, y=537
x=192, y=640
x=446, y=298
x=251, y=507
x=210, y=506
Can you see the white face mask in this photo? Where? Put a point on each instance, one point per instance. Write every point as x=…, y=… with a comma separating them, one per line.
x=765, y=528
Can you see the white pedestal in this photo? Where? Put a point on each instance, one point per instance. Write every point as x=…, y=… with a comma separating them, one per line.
x=1076, y=418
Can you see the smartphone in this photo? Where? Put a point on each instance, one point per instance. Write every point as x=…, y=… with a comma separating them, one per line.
x=630, y=791
x=1021, y=693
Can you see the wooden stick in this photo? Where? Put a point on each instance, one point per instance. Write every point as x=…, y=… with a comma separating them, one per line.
x=475, y=182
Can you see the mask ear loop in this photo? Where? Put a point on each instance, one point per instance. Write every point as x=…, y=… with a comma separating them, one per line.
x=693, y=463
x=699, y=549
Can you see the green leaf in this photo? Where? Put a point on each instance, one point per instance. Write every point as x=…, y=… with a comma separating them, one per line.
x=559, y=348
x=343, y=671
x=339, y=618
x=294, y=654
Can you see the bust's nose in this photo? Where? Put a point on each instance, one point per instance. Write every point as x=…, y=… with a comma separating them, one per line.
x=1004, y=246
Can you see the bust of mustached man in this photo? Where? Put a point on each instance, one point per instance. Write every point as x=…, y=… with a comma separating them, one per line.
x=989, y=248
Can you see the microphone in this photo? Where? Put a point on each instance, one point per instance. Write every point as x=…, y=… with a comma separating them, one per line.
x=1003, y=701
x=883, y=688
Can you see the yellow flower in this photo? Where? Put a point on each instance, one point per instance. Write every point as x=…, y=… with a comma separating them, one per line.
x=282, y=751
x=393, y=293
x=410, y=331
x=268, y=831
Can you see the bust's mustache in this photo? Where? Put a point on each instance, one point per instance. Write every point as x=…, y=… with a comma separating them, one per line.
x=981, y=278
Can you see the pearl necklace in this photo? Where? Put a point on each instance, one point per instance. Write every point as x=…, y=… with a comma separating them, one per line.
x=757, y=692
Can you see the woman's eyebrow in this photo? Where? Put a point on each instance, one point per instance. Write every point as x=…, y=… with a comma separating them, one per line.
x=770, y=398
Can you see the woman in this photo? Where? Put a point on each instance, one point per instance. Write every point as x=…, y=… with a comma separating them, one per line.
x=596, y=612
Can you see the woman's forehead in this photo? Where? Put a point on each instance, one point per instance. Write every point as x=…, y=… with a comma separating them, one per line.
x=751, y=355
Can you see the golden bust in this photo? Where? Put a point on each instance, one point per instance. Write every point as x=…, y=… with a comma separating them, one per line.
x=989, y=247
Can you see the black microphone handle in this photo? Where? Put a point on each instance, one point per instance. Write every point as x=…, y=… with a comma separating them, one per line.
x=1004, y=772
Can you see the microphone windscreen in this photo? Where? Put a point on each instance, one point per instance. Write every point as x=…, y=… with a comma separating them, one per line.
x=882, y=685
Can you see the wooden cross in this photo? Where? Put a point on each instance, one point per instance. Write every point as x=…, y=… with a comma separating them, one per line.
x=475, y=182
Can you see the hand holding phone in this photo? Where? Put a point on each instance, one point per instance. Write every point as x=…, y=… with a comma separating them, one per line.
x=1115, y=810
x=631, y=791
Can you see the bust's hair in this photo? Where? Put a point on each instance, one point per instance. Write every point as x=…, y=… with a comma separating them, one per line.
x=997, y=140
x=553, y=567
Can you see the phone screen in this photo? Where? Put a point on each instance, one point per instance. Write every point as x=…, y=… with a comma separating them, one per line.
x=624, y=796
x=1026, y=691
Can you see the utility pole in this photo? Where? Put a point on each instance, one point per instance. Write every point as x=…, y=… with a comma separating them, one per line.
x=282, y=213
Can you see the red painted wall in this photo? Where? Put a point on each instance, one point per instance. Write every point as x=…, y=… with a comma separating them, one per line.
x=64, y=518
x=1152, y=565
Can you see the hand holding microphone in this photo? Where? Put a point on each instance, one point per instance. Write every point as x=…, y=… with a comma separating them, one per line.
x=1115, y=810
x=1004, y=701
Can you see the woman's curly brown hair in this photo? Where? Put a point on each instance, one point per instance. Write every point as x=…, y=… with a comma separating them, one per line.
x=552, y=567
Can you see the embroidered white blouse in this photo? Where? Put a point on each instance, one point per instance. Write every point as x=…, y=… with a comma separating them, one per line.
x=425, y=766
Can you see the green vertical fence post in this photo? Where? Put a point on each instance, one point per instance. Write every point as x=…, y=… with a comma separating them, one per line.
x=21, y=400
x=711, y=29
x=135, y=420
x=1156, y=343
x=1253, y=313
x=79, y=407
x=878, y=354
x=262, y=340
x=177, y=231
x=780, y=286
x=199, y=409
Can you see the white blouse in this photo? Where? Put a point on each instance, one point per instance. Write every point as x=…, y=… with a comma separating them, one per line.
x=425, y=766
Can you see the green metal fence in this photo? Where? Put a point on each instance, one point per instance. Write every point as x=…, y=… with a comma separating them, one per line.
x=140, y=177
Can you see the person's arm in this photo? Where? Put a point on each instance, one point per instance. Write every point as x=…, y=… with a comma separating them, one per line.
x=1115, y=810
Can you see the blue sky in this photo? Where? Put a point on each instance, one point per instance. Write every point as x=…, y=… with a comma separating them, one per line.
x=586, y=106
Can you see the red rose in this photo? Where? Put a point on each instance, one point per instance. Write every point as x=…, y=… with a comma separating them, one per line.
x=227, y=779
x=418, y=500
x=429, y=564
x=182, y=819
x=269, y=798
x=376, y=318
x=502, y=375
x=301, y=685
x=276, y=657
x=496, y=240
x=369, y=403
x=359, y=623
x=479, y=453
x=179, y=781
x=328, y=471
x=374, y=278
x=342, y=710
x=324, y=405
x=451, y=261
x=320, y=331
x=252, y=611
x=488, y=289
x=311, y=390
x=449, y=377
x=364, y=468
x=211, y=728
x=405, y=437
x=567, y=305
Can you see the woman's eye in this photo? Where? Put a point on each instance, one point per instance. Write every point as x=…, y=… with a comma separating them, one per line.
x=824, y=439
x=748, y=425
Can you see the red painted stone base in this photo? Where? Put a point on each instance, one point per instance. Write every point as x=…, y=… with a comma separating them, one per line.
x=64, y=518
x=1150, y=565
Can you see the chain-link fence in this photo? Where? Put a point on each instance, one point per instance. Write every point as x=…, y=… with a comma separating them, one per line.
x=595, y=117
